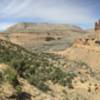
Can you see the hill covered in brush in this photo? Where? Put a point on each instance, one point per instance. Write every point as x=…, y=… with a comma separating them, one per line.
x=38, y=75
x=37, y=69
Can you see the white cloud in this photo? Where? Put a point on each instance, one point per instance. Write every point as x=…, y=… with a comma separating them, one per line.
x=61, y=11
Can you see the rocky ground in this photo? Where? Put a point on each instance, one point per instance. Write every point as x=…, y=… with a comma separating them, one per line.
x=34, y=65
x=44, y=76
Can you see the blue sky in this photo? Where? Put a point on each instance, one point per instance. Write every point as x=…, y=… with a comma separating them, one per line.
x=79, y=12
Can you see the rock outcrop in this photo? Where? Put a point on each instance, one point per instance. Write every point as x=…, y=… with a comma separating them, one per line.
x=92, y=39
x=97, y=26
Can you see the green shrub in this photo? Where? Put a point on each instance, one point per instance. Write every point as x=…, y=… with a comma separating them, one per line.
x=11, y=76
x=18, y=89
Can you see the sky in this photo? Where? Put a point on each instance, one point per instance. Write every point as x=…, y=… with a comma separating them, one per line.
x=82, y=13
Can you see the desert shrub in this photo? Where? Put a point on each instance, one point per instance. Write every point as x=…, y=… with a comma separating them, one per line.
x=70, y=77
x=49, y=39
x=18, y=89
x=11, y=77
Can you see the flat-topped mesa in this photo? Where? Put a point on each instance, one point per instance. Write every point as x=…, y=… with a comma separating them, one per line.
x=97, y=26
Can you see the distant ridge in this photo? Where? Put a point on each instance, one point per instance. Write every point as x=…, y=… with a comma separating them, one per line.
x=40, y=27
x=43, y=36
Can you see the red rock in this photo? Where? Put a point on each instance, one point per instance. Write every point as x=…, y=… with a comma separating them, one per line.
x=97, y=25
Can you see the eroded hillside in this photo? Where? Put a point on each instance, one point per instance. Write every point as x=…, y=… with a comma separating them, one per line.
x=43, y=37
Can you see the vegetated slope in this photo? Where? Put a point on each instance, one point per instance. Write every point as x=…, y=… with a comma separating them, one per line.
x=36, y=68
x=46, y=75
x=44, y=37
